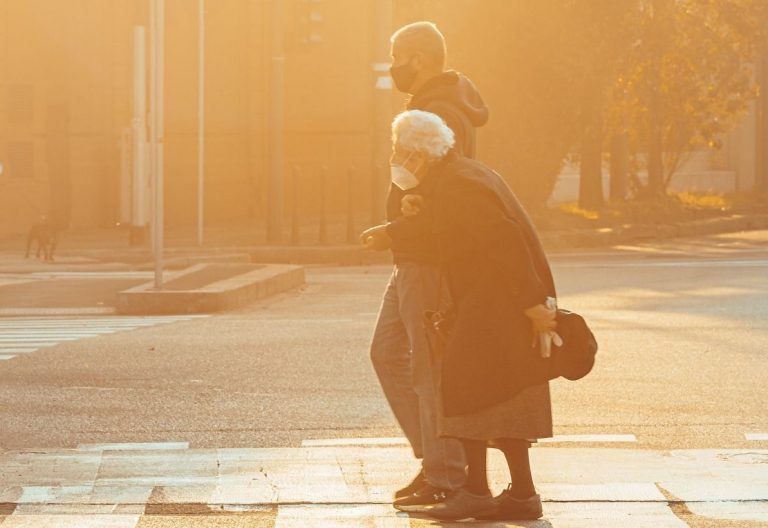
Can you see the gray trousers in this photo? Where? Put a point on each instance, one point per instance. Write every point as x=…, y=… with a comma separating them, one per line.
x=401, y=357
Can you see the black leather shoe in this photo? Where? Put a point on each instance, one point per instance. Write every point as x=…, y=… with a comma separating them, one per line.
x=416, y=484
x=424, y=499
x=508, y=508
x=463, y=505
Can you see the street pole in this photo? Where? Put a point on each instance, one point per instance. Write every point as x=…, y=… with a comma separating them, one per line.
x=139, y=135
x=200, y=119
x=276, y=124
x=157, y=23
x=381, y=30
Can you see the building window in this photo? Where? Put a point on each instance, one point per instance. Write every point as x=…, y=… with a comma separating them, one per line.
x=21, y=160
x=20, y=104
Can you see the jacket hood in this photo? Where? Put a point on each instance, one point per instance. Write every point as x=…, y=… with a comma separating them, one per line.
x=457, y=89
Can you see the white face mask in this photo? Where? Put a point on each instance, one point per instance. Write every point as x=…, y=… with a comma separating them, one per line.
x=402, y=177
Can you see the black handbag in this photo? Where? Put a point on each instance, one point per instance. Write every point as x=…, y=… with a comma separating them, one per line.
x=575, y=358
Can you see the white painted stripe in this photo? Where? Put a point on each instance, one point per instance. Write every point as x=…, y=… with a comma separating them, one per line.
x=3, y=357
x=137, y=446
x=74, y=519
x=70, y=332
x=66, y=332
x=95, y=274
x=20, y=336
x=757, y=263
x=330, y=442
x=59, y=312
x=757, y=437
x=37, y=323
x=40, y=339
x=50, y=335
x=84, y=328
x=99, y=320
x=590, y=438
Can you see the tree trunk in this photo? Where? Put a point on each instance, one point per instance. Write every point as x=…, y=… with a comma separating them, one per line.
x=590, y=173
x=655, y=161
x=619, y=169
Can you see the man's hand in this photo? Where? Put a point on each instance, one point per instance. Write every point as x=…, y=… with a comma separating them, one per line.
x=411, y=204
x=376, y=238
x=542, y=318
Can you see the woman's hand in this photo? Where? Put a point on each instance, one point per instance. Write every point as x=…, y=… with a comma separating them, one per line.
x=542, y=318
x=411, y=204
x=376, y=238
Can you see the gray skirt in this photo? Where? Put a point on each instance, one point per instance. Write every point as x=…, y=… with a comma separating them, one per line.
x=527, y=416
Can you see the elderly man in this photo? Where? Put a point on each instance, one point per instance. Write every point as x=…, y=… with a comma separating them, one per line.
x=399, y=350
x=493, y=382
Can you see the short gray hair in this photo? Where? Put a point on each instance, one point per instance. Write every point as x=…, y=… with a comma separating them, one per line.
x=425, y=132
x=422, y=37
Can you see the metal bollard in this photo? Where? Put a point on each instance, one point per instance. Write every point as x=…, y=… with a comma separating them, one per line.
x=323, y=225
x=351, y=205
x=295, y=228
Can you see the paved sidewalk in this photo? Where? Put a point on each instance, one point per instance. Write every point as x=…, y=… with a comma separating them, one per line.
x=148, y=485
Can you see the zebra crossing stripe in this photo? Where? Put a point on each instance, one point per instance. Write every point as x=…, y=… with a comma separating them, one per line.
x=26, y=335
x=757, y=437
x=397, y=441
x=590, y=438
x=134, y=446
x=332, y=442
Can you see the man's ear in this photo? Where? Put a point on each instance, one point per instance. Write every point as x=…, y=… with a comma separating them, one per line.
x=418, y=61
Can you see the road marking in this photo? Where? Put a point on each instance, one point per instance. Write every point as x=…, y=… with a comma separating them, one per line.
x=106, y=275
x=590, y=438
x=757, y=437
x=756, y=263
x=395, y=441
x=26, y=335
x=72, y=520
x=352, y=486
x=135, y=446
x=42, y=339
x=331, y=442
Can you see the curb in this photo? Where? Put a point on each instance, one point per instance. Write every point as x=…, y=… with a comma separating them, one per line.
x=608, y=236
x=354, y=255
x=223, y=295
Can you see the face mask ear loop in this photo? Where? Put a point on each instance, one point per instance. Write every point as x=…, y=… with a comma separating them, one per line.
x=407, y=158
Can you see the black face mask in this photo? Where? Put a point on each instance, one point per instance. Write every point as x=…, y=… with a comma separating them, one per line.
x=404, y=76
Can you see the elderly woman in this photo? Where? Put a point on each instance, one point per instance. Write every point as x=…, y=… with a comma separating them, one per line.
x=493, y=383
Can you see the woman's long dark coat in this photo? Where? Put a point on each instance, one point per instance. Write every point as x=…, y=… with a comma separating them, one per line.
x=495, y=268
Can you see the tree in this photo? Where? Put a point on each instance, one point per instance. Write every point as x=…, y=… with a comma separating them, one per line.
x=687, y=80
x=537, y=65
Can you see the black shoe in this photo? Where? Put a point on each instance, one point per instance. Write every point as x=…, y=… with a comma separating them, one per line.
x=416, y=484
x=463, y=505
x=508, y=508
x=422, y=500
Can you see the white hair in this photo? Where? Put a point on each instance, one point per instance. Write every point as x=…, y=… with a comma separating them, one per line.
x=425, y=132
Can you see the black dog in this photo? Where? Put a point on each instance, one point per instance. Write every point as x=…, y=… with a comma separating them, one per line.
x=46, y=235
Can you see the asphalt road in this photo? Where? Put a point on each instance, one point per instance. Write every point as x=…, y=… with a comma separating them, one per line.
x=682, y=327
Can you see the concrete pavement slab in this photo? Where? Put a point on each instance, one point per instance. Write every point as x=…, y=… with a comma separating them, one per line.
x=235, y=290
x=352, y=486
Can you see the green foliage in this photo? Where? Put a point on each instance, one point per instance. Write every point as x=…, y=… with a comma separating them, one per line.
x=673, y=70
x=688, y=78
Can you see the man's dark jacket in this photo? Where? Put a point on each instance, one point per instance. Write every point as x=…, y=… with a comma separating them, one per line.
x=455, y=99
x=495, y=268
